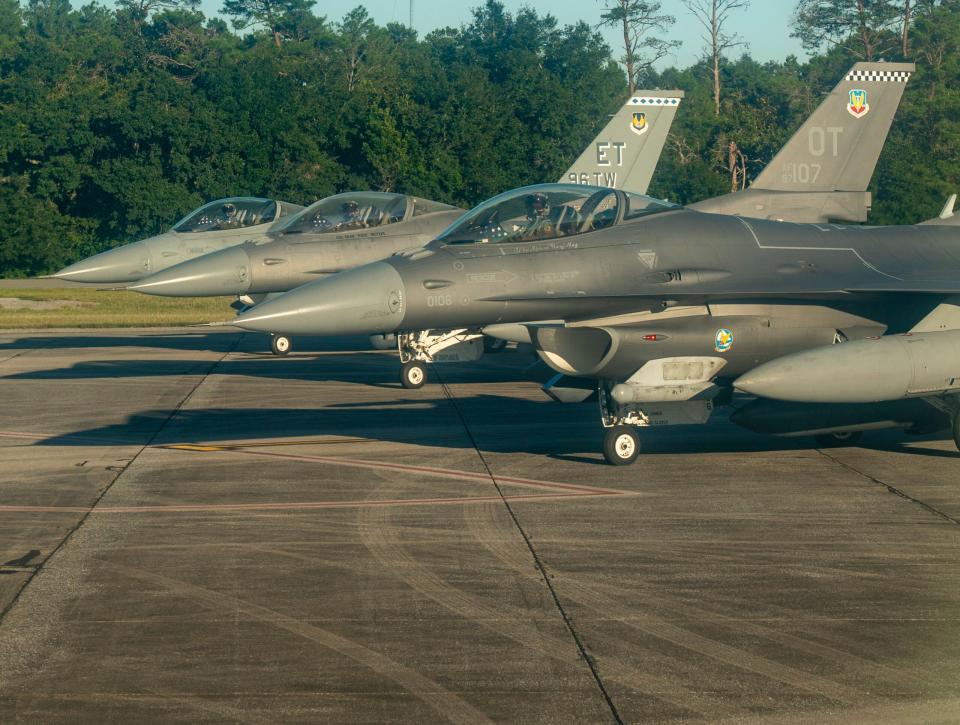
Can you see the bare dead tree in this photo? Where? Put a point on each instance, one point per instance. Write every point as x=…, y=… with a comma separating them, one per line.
x=714, y=15
x=905, y=34
x=643, y=25
x=737, y=166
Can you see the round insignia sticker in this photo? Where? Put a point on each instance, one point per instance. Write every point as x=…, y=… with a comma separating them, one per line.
x=723, y=341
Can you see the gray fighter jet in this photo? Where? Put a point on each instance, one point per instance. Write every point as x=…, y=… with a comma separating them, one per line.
x=666, y=307
x=214, y=226
x=821, y=173
x=355, y=228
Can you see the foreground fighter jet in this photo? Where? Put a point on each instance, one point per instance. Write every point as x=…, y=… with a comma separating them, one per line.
x=821, y=173
x=214, y=226
x=354, y=228
x=665, y=307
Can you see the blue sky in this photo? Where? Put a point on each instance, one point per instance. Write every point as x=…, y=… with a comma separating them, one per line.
x=765, y=25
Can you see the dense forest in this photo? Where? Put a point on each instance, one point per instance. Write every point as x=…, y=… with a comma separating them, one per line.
x=116, y=121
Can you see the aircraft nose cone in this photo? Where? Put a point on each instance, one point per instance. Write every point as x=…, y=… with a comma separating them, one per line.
x=226, y=272
x=361, y=301
x=115, y=266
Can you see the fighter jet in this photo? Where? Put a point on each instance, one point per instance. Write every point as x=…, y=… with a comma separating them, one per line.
x=354, y=228
x=214, y=226
x=667, y=308
x=821, y=173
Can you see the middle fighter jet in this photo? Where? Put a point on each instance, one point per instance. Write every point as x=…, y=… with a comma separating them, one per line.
x=354, y=228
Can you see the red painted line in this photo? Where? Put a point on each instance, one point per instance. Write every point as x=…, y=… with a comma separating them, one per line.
x=426, y=470
x=299, y=506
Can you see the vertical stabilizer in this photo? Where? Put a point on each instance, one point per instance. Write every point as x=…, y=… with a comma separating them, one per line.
x=838, y=146
x=626, y=152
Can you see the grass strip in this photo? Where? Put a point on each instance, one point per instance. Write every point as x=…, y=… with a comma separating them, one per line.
x=63, y=307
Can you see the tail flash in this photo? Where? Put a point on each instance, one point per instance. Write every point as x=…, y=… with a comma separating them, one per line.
x=838, y=146
x=626, y=152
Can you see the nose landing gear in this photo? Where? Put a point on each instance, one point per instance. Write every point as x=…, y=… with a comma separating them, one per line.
x=621, y=445
x=413, y=375
x=280, y=345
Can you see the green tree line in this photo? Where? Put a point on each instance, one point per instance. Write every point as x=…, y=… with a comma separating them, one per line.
x=115, y=122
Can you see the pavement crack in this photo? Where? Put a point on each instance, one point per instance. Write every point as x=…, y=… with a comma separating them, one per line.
x=892, y=489
x=538, y=563
x=120, y=471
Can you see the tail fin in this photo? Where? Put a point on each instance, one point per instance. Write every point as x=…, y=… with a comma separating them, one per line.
x=626, y=152
x=947, y=216
x=838, y=146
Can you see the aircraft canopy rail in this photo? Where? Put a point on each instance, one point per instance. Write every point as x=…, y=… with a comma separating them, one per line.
x=358, y=210
x=548, y=211
x=232, y=213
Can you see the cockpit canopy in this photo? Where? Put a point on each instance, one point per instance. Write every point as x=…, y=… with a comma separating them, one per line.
x=358, y=210
x=548, y=211
x=236, y=212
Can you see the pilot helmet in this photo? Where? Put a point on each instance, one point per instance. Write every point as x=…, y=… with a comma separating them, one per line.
x=229, y=209
x=538, y=204
x=350, y=207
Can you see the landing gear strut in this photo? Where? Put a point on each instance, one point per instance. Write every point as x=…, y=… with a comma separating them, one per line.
x=413, y=375
x=280, y=344
x=419, y=349
x=621, y=445
x=956, y=429
x=838, y=440
x=623, y=409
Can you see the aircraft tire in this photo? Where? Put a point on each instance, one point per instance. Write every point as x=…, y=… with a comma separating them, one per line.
x=493, y=344
x=413, y=375
x=838, y=440
x=621, y=445
x=280, y=345
x=956, y=430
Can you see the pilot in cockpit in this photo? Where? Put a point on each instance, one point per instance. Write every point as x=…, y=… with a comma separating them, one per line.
x=352, y=217
x=539, y=224
x=229, y=218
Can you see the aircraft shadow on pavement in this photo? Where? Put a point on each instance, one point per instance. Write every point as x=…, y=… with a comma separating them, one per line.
x=499, y=425
x=212, y=340
x=372, y=368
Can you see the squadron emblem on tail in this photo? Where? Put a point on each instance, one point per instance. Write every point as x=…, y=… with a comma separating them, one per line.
x=858, y=106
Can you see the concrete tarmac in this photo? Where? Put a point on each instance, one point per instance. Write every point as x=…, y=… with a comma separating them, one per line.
x=194, y=531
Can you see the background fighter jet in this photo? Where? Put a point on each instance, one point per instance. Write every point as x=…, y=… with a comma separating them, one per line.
x=665, y=307
x=214, y=226
x=355, y=228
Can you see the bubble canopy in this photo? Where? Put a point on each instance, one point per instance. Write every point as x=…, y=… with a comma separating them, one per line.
x=358, y=210
x=236, y=212
x=548, y=211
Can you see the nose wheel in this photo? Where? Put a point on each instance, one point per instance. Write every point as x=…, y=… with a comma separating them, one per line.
x=621, y=445
x=280, y=344
x=413, y=375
